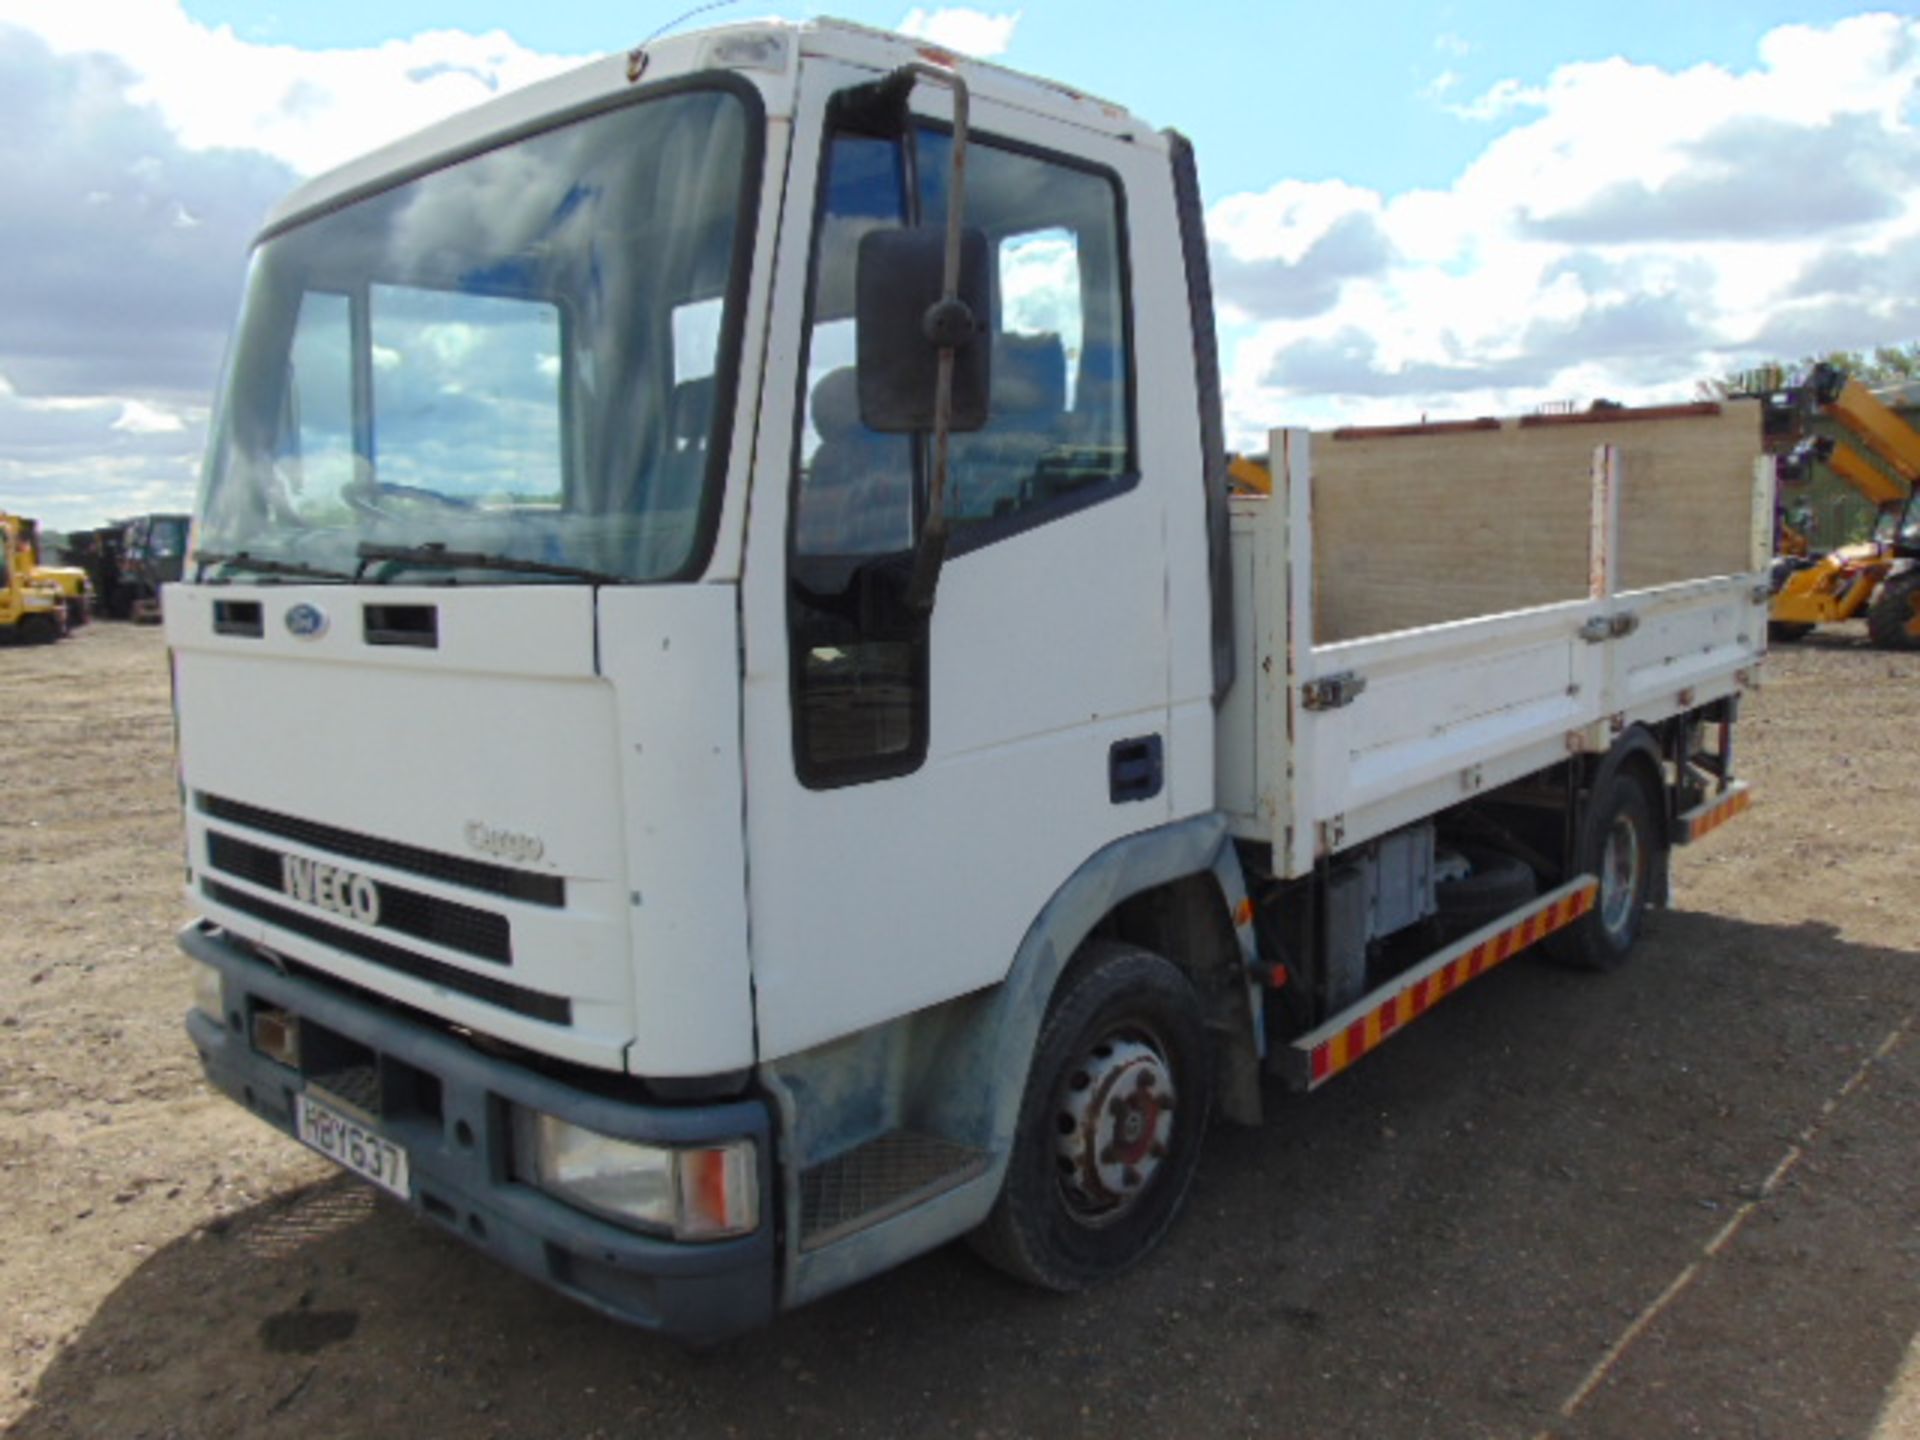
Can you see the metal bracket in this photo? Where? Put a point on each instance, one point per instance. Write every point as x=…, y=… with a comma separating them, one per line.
x=1609, y=627
x=1330, y=692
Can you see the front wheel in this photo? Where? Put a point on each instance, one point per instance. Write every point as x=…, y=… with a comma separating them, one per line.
x=1893, y=620
x=1110, y=1125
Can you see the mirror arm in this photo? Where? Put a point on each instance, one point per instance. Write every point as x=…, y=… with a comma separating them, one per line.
x=930, y=552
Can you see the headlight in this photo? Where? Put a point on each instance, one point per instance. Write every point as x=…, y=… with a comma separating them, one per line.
x=693, y=1194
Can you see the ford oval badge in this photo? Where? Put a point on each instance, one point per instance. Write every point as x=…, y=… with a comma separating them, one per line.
x=309, y=622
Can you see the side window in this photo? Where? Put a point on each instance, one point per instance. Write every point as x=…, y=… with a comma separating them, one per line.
x=1059, y=424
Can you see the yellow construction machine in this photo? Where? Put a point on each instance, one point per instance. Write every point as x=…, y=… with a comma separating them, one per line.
x=76, y=590
x=1878, y=577
x=32, y=610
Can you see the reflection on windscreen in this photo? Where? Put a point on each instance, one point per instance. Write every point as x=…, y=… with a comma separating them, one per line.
x=515, y=355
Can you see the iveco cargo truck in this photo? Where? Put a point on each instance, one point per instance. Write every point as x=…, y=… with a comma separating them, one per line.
x=735, y=729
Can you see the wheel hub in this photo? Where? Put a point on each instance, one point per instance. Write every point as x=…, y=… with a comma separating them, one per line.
x=1619, y=875
x=1114, y=1123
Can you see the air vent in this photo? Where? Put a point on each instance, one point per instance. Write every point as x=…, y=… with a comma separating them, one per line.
x=403, y=625
x=237, y=617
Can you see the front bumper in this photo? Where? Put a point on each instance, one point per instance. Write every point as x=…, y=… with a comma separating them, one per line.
x=448, y=1106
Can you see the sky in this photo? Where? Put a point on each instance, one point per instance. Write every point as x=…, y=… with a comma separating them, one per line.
x=1454, y=208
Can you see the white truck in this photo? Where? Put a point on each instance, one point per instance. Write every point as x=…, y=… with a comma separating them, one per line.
x=733, y=732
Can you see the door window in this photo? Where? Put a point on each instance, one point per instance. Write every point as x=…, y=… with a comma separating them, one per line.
x=1058, y=436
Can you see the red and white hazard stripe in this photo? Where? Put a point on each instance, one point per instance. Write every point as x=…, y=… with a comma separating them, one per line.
x=1365, y=1026
x=1703, y=819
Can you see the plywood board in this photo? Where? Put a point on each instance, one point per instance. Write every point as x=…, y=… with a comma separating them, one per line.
x=1429, y=525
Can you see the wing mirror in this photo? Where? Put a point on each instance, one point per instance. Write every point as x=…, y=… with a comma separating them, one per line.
x=922, y=303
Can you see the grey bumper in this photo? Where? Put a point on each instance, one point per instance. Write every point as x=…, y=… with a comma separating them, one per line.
x=448, y=1106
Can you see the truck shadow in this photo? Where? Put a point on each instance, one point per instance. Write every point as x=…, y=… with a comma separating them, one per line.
x=1442, y=1243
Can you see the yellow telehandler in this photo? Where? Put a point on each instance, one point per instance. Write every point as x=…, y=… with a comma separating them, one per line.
x=1878, y=577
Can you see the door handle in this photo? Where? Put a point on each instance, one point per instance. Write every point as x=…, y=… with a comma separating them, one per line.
x=1136, y=769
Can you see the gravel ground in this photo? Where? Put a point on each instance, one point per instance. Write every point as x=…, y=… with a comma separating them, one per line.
x=1676, y=1201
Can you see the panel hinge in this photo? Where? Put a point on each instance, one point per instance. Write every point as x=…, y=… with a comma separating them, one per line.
x=1609, y=627
x=1330, y=692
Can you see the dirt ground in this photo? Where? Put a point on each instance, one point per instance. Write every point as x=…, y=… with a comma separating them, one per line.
x=1675, y=1201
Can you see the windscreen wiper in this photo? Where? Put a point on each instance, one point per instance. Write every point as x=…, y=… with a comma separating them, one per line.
x=437, y=556
x=266, y=565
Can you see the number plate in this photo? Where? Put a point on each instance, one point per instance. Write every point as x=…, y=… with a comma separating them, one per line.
x=349, y=1143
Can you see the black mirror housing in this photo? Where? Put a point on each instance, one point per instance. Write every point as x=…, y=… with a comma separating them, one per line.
x=900, y=323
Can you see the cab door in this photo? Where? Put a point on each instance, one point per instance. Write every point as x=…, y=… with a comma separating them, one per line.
x=918, y=789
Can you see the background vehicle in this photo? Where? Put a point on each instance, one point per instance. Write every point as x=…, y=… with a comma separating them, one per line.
x=152, y=554
x=806, y=760
x=97, y=552
x=71, y=581
x=32, y=610
x=1876, y=577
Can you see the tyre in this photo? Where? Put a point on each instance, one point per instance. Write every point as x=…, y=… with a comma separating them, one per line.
x=1893, y=620
x=1110, y=1124
x=1620, y=846
x=39, y=630
x=1785, y=632
x=1497, y=885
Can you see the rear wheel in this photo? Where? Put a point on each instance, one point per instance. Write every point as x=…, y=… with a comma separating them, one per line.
x=1785, y=632
x=39, y=630
x=1620, y=846
x=1893, y=620
x=1110, y=1125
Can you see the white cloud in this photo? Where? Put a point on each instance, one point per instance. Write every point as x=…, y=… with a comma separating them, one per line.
x=137, y=417
x=971, y=32
x=310, y=109
x=1632, y=230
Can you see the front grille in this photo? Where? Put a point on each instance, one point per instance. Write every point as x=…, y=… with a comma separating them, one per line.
x=555, y=1009
x=479, y=933
x=548, y=890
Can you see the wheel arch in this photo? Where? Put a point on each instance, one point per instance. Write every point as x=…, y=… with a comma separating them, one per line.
x=1176, y=890
x=959, y=1070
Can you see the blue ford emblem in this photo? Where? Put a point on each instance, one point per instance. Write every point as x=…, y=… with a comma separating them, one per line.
x=307, y=621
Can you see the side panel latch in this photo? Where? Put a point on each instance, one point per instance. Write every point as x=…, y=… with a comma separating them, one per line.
x=1330, y=692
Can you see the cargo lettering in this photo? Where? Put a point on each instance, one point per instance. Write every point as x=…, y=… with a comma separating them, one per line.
x=330, y=888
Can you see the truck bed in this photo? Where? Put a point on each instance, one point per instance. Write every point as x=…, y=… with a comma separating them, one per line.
x=1326, y=743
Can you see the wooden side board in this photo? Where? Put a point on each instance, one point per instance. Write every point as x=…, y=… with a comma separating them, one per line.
x=1420, y=527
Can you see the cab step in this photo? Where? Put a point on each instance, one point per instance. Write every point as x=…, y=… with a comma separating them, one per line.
x=884, y=1177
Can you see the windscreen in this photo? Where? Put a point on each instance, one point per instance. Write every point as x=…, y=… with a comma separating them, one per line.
x=516, y=357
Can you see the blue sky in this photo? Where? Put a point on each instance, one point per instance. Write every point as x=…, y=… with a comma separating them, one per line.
x=1312, y=91
x=1460, y=207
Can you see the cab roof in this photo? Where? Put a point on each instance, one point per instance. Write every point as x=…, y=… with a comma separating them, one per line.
x=768, y=54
